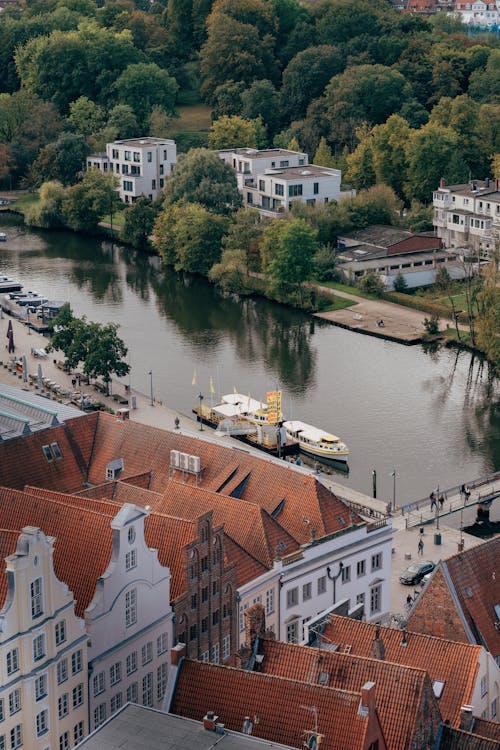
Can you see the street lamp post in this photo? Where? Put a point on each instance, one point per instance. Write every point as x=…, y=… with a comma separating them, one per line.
x=200, y=396
x=334, y=577
x=151, y=386
x=28, y=321
x=393, y=489
x=374, y=482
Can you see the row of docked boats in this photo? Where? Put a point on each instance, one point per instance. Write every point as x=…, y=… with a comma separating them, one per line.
x=261, y=423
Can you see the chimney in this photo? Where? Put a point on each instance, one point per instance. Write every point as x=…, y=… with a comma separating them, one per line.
x=177, y=653
x=441, y=182
x=378, y=648
x=466, y=718
x=367, y=704
x=209, y=721
x=255, y=623
x=404, y=641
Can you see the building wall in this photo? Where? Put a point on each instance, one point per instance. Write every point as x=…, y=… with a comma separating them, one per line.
x=468, y=220
x=52, y=671
x=206, y=613
x=141, y=166
x=301, y=586
x=129, y=623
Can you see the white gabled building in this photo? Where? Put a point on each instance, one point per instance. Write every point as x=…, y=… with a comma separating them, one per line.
x=271, y=179
x=478, y=13
x=129, y=623
x=468, y=216
x=43, y=649
x=140, y=164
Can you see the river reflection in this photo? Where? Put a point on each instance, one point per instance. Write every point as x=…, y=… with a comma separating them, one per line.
x=434, y=416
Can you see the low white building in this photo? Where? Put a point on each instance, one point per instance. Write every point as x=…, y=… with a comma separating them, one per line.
x=141, y=165
x=271, y=179
x=352, y=565
x=468, y=216
x=479, y=13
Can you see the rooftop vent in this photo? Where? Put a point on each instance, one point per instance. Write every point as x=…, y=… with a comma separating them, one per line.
x=113, y=468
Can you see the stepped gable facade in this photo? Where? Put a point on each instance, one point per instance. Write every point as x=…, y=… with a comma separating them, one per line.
x=455, y=669
x=406, y=705
x=279, y=709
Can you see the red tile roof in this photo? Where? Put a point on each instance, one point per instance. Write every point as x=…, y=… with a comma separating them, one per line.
x=405, y=702
x=77, y=533
x=278, y=703
x=461, y=597
x=301, y=502
x=452, y=738
x=486, y=728
x=456, y=664
x=8, y=545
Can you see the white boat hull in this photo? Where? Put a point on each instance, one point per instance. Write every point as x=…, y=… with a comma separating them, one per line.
x=322, y=454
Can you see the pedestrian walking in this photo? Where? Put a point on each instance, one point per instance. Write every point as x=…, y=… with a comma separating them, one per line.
x=409, y=601
x=441, y=501
x=465, y=491
x=432, y=498
x=420, y=546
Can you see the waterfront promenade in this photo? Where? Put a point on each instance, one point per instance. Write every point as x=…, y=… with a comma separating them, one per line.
x=406, y=535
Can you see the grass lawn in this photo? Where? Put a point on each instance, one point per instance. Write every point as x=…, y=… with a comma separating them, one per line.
x=338, y=303
x=192, y=117
x=20, y=204
x=459, y=301
x=118, y=219
x=354, y=290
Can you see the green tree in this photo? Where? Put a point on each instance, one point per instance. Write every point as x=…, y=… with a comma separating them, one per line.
x=388, y=144
x=85, y=204
x=139, y=219
x=430, y=153
x=160, y=123
x=288, y=250
x=190, y=236
x=232, y=132
x=106, y=353
x=306, y=76
x=47, y=212
x=226, y=99
x=360, y=170
x=85, y=116
x=123, y=120
x=62, y=161
x=245, y=234
x=484, y=83
x=323, y=156
x=70, y=336
x=142, y=85
x=400, y=284
x=237, y=47
x=201, y=177
x=229, y=273
x=371, y=283
x=325, y=263
x=261, y=100
x=488, y=317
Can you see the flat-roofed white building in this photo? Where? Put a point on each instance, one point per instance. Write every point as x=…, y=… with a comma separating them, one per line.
x=468, y=216
x=271, y=179
x=141, y=165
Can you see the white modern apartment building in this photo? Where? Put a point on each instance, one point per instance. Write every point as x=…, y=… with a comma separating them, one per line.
x=140, y=164
x=271, y=179
x=43, y=649
x=352, y=565
x=468, y=216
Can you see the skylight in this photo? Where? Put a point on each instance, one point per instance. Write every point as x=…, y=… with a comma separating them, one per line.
x=438, y=687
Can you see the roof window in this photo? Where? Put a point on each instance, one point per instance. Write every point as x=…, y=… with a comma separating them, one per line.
x=438, y=687
x=52, y=452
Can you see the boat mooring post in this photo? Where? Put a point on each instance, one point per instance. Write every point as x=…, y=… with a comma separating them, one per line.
x=151, y=386
x=374, y=482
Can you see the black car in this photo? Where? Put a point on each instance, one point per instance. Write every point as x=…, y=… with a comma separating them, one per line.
x=415, y=572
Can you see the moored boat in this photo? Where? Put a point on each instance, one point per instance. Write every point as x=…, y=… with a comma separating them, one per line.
x=9, y=285
x=3, y=237
x=316, y=442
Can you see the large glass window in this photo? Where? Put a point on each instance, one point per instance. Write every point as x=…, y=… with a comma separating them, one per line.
x=36, y=593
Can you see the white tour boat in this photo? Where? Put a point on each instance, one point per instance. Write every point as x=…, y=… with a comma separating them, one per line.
x=315, y=442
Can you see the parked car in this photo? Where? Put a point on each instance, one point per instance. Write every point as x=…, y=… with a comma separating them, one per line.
x=415, y=572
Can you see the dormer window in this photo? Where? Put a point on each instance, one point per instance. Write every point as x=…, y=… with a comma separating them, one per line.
x=114, y=468
x=52, y=452
x=438, y=687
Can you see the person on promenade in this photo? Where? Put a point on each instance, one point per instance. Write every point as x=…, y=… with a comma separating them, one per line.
x=441, y=501
x=420, y=546
x=432, y=498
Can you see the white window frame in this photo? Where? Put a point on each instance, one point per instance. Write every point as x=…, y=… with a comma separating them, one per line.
x=131, y=608
x=131, y=663
x=36, y=597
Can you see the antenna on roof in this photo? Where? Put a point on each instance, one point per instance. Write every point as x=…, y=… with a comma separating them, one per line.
x=313, y=738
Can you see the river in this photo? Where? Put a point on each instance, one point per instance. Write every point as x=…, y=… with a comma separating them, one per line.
x=433, y=417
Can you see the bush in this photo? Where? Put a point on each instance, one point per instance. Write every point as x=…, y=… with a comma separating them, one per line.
x=372, y=284
x=400, y=284
x=431, y=325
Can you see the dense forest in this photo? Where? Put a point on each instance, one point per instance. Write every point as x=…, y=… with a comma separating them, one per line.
x=386, y=96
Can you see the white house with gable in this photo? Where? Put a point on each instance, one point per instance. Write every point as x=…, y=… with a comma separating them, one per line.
x=43, y=649
x=271, y=179
x=129, y=623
